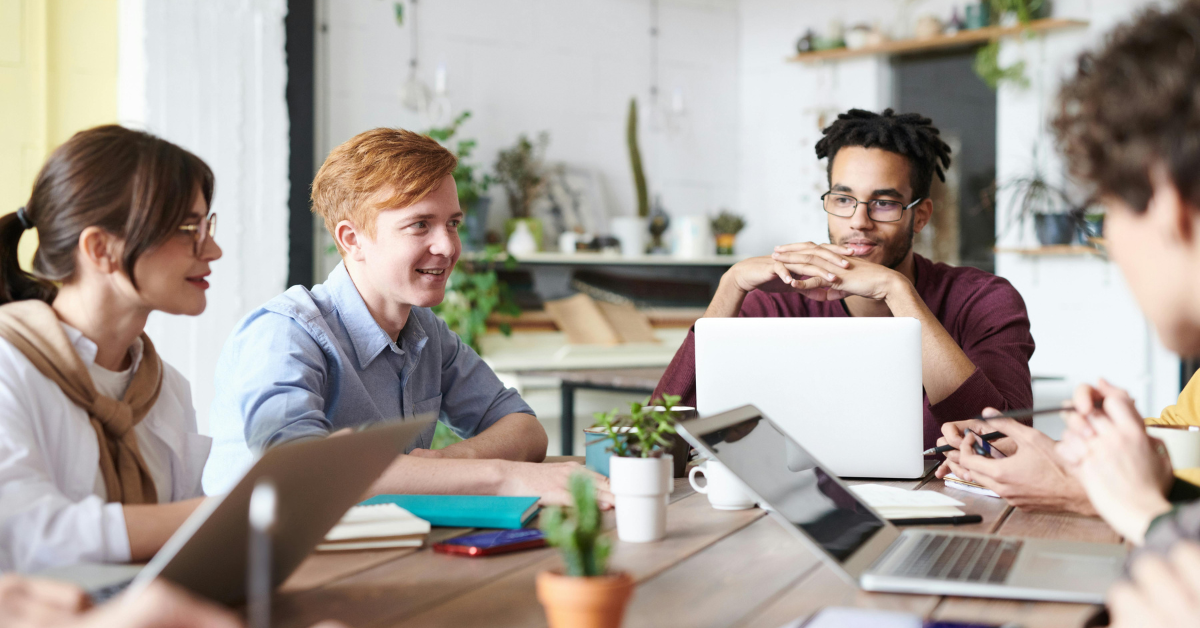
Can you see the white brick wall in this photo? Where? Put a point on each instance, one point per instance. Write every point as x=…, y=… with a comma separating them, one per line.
x=210, y=75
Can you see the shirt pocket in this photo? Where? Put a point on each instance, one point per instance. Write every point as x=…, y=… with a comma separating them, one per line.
x=430, y=405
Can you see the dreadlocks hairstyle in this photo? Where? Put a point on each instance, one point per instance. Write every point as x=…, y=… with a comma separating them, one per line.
x=907, y=134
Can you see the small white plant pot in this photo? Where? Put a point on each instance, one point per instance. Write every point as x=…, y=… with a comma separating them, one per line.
x=642, y=487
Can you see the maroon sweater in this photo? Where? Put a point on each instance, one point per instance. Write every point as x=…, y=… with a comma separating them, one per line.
x=983, y=313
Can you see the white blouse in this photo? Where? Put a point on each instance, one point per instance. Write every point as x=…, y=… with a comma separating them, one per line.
x=52, y=496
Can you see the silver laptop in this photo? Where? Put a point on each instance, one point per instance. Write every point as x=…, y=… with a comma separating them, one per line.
x=316, y=482
x=848, y=388
x=813, y=504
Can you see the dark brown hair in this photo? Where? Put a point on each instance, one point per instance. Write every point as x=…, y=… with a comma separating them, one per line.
x=1135, y=104
x=129, y=183
x=908, y=134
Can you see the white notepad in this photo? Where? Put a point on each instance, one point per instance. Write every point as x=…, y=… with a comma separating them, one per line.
x=378, y=523
x=898, y=503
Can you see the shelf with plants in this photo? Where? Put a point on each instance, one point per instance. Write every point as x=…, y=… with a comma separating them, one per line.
x=973, y=37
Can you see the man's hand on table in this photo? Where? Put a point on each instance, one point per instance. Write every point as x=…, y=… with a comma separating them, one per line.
x=1032, y=476
x=549, y=480
x=1161, y=592
x=1126, y=472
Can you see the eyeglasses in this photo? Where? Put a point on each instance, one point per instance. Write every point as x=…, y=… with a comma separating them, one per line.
x=201, y=232
x=879, y=209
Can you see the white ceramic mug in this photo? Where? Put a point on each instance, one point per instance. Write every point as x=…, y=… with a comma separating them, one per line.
x=724, y=489
x=1182, y=441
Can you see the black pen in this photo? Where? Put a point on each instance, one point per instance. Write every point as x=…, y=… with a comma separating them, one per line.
x=928, y=521
x=944, y=448
x=1011, y=414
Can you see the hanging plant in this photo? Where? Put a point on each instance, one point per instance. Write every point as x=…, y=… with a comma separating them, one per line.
x=987, y=59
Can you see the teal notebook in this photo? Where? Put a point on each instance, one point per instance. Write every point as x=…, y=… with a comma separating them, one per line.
x=465, y=511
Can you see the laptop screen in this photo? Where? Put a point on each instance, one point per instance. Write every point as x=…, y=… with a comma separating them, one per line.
x=789, y=481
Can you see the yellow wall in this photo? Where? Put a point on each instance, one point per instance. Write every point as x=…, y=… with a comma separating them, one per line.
x=58, y=75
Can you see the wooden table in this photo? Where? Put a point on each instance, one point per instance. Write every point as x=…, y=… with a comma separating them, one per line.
x=715, y=568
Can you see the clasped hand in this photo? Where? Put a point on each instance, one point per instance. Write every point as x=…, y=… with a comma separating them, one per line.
x=1126, y=472
x=821, y=272
x=1031, y=477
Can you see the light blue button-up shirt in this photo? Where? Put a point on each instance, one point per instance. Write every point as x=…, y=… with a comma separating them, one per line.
x=311, y=362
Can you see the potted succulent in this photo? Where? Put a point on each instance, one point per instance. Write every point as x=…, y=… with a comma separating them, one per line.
x=521, y=171
x=641, y=472
x=584, y=594
x=472, y=185
x=725, y=228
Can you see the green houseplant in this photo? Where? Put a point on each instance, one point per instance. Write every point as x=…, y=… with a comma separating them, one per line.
x=472, y=184
x=519, y=169
x=584, y=594
x=641, y=471
x=987, y=59
x=725, y=228
x=473, y=292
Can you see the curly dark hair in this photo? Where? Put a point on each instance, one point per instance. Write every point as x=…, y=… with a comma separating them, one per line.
x=1134, y=104
x=909, y=134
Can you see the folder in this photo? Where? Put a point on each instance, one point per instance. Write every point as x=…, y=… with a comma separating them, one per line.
x=465, y=511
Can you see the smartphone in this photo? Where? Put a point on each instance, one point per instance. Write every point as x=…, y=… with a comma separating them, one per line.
x=489, y=543
x=984, y=448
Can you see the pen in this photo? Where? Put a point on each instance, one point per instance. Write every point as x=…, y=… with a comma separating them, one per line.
x=926, y=521
x=944, y=448
x=1011, y=414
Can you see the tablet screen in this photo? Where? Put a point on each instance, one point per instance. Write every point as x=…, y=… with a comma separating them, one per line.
x=791, y=483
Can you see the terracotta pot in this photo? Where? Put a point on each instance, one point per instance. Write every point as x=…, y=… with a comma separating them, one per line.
x=597, y=602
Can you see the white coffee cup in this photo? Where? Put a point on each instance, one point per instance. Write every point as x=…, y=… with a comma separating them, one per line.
x=725, y=491
x=1182, y=441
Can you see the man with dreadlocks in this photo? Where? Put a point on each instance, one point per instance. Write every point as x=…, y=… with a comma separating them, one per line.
x=975, y=339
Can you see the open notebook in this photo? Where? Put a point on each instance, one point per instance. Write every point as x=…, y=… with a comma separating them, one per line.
x=379, y=526
x=897, y=503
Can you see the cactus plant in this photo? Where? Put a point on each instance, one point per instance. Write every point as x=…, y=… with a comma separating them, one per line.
x=576, y=533
x=635, y=158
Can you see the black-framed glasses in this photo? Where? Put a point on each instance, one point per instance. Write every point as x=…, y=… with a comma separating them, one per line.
x=878, y=209
x=207, y=228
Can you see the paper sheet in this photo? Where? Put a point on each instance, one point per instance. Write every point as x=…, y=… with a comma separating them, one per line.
x=898, y=503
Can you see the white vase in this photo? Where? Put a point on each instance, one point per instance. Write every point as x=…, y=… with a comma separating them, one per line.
x=631, y=231
x=642, y=487
x=693, y=237
x=521, y=241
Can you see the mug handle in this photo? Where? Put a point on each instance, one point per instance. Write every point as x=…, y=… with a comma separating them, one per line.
x=692, y=479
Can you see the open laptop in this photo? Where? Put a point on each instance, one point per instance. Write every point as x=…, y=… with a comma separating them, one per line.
x=316, y=482
x=848, y=388
x=813, y=504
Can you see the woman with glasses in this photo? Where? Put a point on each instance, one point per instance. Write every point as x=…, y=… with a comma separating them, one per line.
x=100, y=460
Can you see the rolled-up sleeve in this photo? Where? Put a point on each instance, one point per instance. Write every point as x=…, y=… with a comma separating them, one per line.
x=473, y=397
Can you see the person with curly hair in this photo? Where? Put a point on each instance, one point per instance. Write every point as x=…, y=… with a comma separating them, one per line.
x=975, y=336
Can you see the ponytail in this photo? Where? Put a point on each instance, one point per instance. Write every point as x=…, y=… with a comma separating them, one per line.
x=15, y=283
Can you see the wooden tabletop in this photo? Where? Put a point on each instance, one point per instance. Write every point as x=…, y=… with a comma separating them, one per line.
x=714, y=568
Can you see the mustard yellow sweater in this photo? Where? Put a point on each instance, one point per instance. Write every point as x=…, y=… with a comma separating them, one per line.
x=1186, y=411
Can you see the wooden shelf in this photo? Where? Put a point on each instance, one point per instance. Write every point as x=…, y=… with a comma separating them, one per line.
x=1055, y=250
x=961, y=39
x=583, y=258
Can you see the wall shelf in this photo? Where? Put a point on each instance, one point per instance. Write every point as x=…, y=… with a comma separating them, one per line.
x=1053, y=251
x=961, y=39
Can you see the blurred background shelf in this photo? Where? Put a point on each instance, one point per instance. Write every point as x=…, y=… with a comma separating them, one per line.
x=1056, y=250
x=959, y=40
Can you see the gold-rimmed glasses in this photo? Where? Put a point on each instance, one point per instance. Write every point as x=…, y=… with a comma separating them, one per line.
x=207, y=228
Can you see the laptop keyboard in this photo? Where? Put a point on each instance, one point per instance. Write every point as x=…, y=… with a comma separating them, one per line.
x=959, y=558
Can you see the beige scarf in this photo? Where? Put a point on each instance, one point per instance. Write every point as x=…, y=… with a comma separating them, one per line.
x=34, y=329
